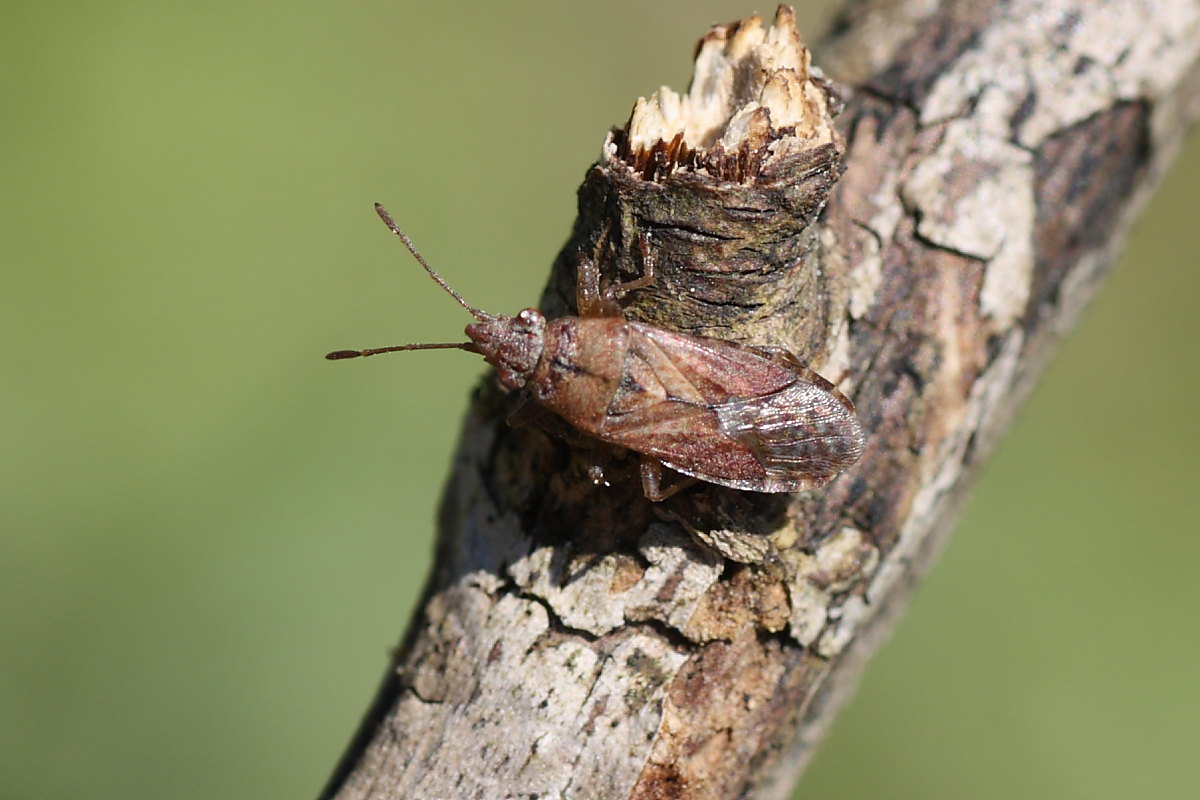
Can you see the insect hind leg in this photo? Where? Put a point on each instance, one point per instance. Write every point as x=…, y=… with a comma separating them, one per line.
x=652, y=481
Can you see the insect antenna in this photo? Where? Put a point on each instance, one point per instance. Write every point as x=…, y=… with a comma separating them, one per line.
x=337, y=355
x=483, y=316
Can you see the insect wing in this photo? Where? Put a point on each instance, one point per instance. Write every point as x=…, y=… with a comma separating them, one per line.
x=688, y=439
x=715, y=371
x=731, y=414
x=803, y=436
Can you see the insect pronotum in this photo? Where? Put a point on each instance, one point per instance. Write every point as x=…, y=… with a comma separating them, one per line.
x=751, y=418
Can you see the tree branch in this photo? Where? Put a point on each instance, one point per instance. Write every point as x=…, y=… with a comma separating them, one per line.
x=580, y=642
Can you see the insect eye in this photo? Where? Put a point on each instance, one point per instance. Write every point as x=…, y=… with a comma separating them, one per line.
x=528, y=316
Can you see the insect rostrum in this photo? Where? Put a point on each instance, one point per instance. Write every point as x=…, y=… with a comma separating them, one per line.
x=750, y=418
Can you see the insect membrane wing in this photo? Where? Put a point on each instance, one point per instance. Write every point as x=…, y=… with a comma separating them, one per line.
x=803, y=435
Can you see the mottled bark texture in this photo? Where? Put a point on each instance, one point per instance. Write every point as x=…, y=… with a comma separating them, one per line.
x=577, y=641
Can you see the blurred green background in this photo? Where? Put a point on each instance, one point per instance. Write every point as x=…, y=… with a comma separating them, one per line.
x=211, y=536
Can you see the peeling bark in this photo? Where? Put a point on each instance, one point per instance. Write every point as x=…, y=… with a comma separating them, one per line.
x=580, y=642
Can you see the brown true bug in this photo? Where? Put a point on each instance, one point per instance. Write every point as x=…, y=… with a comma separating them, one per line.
x=750, y=418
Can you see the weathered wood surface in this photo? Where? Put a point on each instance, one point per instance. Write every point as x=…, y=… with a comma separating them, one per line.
x=576, y=641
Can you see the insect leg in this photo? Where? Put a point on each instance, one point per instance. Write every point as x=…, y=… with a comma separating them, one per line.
x=652, y=471
x=588, y=298
x=743, y=548
x=527, y=411
x=591, y=301
x=619, y=290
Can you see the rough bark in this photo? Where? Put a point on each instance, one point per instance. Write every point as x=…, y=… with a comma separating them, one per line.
x=579, y=642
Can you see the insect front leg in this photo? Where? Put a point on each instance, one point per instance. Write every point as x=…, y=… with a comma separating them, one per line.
x=592, y=302
x=588, y=298
x=619, y=290
x=527, y=411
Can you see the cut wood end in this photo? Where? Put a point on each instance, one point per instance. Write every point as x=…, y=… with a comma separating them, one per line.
x=753, y=95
